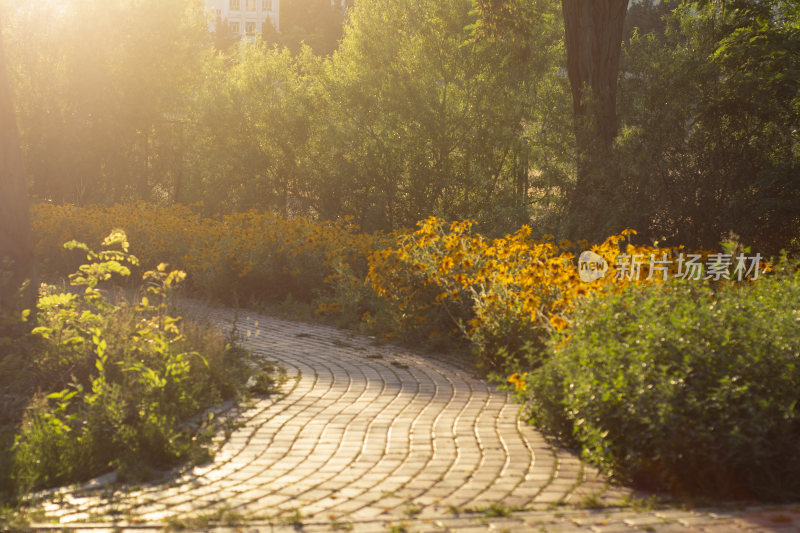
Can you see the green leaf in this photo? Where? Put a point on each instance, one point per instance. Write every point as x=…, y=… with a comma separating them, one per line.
x=43, y=332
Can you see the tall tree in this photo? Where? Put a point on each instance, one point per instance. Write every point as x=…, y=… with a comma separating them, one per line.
x=593, y=31
x=710, y=126
x=16, y=245
x=440, y=108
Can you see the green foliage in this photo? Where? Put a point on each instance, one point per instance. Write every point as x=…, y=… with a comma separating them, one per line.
x=18, y=377
x=251, y=121
x=421, y=121
x=117, y=380
x=710, y=110
x=446, y=116
x=647, y=16
x=683, y=387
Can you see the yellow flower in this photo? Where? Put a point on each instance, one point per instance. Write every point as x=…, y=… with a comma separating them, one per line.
x=518, y=381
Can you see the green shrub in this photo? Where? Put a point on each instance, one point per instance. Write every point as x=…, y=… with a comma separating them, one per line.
x=117, y=380
x=18, y=382
x=685, y=387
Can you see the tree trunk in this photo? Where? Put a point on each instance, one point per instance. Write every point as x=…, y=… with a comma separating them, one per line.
x=593, y=30
x=17, y=289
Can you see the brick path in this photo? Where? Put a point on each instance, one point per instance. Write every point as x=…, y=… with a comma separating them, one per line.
x=371, y=437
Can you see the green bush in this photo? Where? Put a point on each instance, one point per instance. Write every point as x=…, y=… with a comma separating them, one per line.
x=117, y=381
x=18, y=381
x=684, y=387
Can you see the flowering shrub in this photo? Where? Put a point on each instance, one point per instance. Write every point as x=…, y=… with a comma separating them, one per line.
x=501, y=293
x=252, y=255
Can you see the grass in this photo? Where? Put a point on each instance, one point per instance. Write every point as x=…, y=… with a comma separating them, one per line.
x=642, y=504
x=11, y=519
x=402, y=527
x=224, y=516
x=591, y=501
x=19, y=517
x=493, y=510
x=336, y=524
x=292, y=517
x=498, y=510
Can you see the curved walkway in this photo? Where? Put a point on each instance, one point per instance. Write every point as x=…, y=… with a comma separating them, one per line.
x=365, y=434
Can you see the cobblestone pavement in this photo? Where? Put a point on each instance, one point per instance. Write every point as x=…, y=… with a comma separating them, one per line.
x=373, y=437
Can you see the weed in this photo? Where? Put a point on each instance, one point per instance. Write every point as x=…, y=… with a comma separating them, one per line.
x=221, y=517
x=412, y=510
x=13, y=519
x=591, y=501
x=402, y=527
x=493, y=510
x=338, y=525
x=263, y=383
x=497, y=510
x=642, y=504
x=120, y=381
x=292, y=517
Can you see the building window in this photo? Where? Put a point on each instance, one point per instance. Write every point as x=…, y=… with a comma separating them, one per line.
x=235, y=27
x=250, y=28
x=266, y=5
x=251, y=5
x=235, y=5
x=219, y=14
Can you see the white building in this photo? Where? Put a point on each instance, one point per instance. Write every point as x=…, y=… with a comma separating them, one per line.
x=245, y=17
